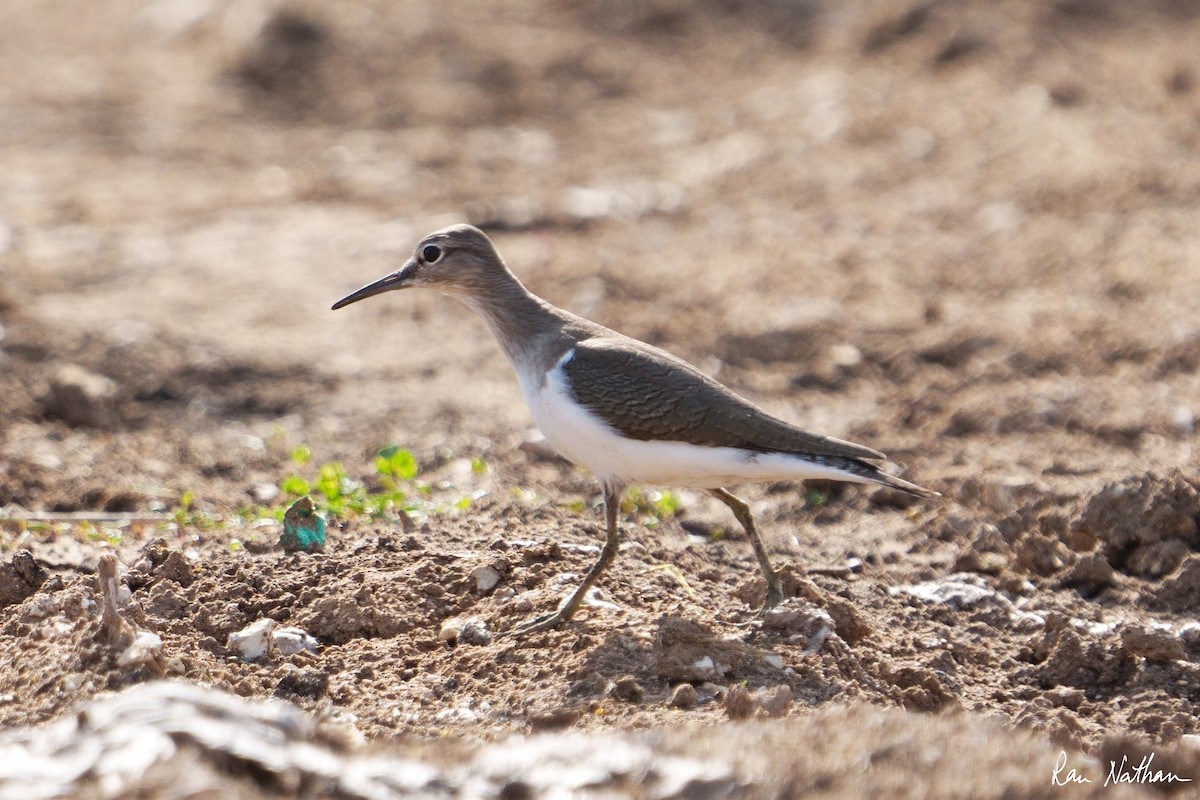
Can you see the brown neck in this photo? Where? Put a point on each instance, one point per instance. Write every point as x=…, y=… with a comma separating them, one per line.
x=529, y=330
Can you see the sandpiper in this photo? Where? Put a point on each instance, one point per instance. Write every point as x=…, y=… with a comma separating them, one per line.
x=625, y=410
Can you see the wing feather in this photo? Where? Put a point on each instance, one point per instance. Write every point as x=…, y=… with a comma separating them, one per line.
x=648, y=394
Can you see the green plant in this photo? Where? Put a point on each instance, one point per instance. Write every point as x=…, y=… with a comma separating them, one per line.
x=395, y=463
x=338, y=494
x=98, y=532
x=653, y=505
x=186, y=515
x=393, y=489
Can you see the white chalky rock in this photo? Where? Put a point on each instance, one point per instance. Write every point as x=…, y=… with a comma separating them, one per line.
x=251, y=642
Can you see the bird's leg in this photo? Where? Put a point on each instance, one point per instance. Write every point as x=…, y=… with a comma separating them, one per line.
x=742, y=512
x=612, y=502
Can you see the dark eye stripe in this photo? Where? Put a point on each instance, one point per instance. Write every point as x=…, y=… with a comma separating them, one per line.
x=431, y=253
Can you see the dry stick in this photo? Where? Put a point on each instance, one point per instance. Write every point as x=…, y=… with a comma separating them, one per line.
x=112, y=626
x=82, y=516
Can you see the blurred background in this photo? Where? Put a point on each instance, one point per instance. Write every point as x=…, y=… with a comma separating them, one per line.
x=895, y=220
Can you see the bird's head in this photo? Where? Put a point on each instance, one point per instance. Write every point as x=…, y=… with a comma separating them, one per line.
x=459, y=260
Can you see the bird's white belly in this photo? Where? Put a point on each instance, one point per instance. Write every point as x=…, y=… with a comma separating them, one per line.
x=582, y=437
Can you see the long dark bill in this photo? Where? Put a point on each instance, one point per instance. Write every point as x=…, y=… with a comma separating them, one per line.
x=396, y=280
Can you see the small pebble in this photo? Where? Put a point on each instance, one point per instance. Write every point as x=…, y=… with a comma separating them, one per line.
x=486, y=577
x=776, y=701
x=264, y=492
x=705, y=667
x=250, y=643
x=846, y=355
x=1189, y=634
x=465, y=630
x=289, y=641
x=144, y=651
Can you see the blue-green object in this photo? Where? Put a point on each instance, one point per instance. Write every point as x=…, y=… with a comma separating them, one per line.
x=303, y=527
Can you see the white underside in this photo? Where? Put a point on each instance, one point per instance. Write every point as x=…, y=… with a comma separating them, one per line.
x=585, y=439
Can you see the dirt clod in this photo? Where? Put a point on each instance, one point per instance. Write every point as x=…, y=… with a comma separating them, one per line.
x=776, y=700
x=1152, y=644
x=311, y=684
x=550, y=718
x=1069, y=657
x=684, y=696
x=1148, y=524
x=685, y=650
x=740, y=704
x=80, y=397
x=20, y=577
x=1180, y=591
x=628, y=689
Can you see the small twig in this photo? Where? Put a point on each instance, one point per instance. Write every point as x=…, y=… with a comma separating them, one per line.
x=676, y=573
x=83, y=516
x=112, y=627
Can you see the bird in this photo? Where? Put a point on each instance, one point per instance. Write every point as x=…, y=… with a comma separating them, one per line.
x=628, y=412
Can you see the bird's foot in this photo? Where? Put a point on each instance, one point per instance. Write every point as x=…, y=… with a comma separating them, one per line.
x=543, y=623
x=774, y=596
x=773, y=599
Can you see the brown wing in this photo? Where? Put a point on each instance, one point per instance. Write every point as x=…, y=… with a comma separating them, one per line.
x=648, y=394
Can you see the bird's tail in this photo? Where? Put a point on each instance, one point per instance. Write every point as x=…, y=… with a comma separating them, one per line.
x=868, y=471
x=905, y=486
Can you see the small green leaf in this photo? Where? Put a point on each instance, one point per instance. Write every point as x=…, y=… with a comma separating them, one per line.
x=478, y=465
x=295, y=486
x=302, y=454
x=665, y=504
x=404, y=465
x=397, y=462
x=335, y=485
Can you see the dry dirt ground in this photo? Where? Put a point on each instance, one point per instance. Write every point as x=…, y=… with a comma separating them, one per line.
x=964, y=233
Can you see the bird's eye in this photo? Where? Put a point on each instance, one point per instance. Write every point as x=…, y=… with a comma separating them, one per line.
x=431, y=253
